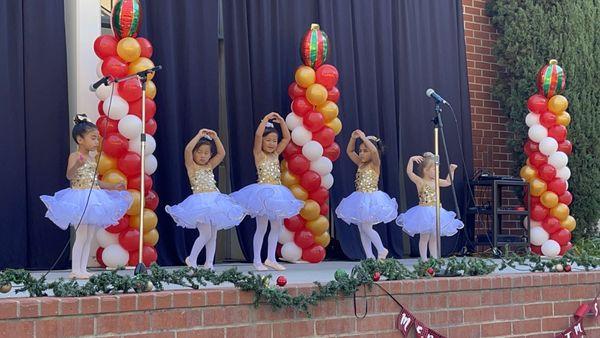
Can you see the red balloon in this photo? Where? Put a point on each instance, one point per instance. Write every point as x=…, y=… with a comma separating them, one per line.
x=291, y=149
x=151, y=201
x=321, y=195
x=298, y=164
x=114, y=66
x=536, y=249
x=537, y=103
x=328, y=76
x=565, y=248
x=100, y=109
x=566, y=198
x=333, y=94
x=537, y=159
x=531, y=147
x=115, y=145
x=547, y=172
x=99, y=252
x=295, y=91
x=324, y=136
x=105, y=46
x=324, y=209
x=151, y=126
x=535, y=200
x=310, y=181
x=566, y=147
x=332, y=152
x=559, y=132
x=129, y=239
x=538, y=212
x=562, y=236
x=135, y=108
x=130, y=90
x=129, y=164
x=295, y=223
x=107, y=126
x=119, y=227
x=547, y=119
x=134, y=183
x=304, y=238
x=301, y=106
x=313, y=121
x=146, y=47
x=149, y=256
x=314, y=254
x=557, y=185
x=551, y=225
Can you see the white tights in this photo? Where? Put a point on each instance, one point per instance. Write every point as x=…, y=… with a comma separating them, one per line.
x=261, y=228
x=81, y=248
x=368, y=236
x=424, y=240
x=207, y=237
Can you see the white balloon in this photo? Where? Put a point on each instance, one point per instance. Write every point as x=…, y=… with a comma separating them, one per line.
x=150, y=164
x=115, y=256
x=312, y=150
x=291, y=252
x=130, y=126
x=538, y=236
x=103, y=92
x=551, y=248
x=118, y=107
x=548, y=146
x=136, y=144
x=323, y=166
x=293, y=121
x=532, y=119
x=301, y=135
x=532, y=223
x=537, y=132
x=558, y=160
x=150, y=144
x=99, y=69
x=564, y=173
x=105, y=238
x=286, y=236
x=327, y=181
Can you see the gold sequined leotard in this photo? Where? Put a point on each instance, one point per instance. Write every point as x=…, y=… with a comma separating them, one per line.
x=203, y=180
x=366, y=179
x=85, y=177
x=427, y=196
x=269, y=171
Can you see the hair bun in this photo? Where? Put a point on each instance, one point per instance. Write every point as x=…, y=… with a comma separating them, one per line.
x=80, y=118
x=428, y=154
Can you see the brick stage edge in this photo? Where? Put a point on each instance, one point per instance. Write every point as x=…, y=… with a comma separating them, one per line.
x=517, y=305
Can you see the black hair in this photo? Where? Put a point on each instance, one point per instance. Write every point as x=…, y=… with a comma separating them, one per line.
x=82, y=126
x=377, y=142
x=270, y=129
x=206, y=141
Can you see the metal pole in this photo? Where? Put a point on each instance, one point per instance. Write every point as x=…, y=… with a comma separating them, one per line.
x=140, y=268
x=437, y=191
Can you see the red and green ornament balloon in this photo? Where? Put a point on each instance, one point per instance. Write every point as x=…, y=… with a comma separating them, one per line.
x=314, y=47
x=551, y=79
x=126, y=18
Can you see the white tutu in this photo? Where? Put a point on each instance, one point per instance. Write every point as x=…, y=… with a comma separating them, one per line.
x=105, y=207
x=420, y=219
x=367, y=208
x=214, y=208
x=271, y=200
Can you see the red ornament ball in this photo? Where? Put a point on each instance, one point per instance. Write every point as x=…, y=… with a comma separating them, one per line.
x=567, y=268
x=376, y=276
x=281, y=281
x=431, y=272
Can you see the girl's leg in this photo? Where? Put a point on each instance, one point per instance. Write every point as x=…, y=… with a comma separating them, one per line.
x=276, y=226
x=81, y=235
x=259, y=235
x=366, y=243
x=375, y=239
x=85, y=253
x=211, y=247
x=204, y=233
x=433, y=245
x=423, y=240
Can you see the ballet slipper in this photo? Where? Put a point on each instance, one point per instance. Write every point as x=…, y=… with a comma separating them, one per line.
x=274, y=265
x=208, y=267
x=78, y=275
x=260, y=267
x=383, y=254
x=189, y=263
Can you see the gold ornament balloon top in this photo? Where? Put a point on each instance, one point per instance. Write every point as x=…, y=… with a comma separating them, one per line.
x=203, y=180
x=366, y=179
x=427, y=195
x=269, y=171
x=85, y=177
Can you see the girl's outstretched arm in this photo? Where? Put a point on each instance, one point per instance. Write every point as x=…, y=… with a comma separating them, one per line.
x=285, y=132
x=351, y=148
x=450, y=178
x=220, y=155
x=410, y=170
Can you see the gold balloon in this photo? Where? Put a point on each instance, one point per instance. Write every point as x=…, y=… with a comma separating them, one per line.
x=150, y=221
x=288, y=179
x=329, y=110
x=316, y=94
x=335, y=124
x=134, y=209
x=528, y=173
x=323, y=239
x=151, y=237
x=537, y=187
x=318, y=226
x=150, y=89
x=129, y=49
x=558, y=104
x=311, y=210
x=105, y=163
x=549, y=199
x=114, y=176
x=560, y=211
x=563, y=118
x=299, y=192
x=141, y=64
x=569, y=223
x=305, y=76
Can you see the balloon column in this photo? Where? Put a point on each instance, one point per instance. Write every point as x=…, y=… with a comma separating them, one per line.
x=120, y=126
x=308, y=159
x=546, y=169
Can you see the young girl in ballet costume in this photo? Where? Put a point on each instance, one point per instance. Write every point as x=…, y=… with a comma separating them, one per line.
x=420, y=219
x=367, y=205
x=268, y=200
x=207, y=209
x=89, y=203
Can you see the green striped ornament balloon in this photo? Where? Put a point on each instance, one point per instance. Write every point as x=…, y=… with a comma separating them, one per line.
x=126, y=18
x=551, y=79
x=314, y=47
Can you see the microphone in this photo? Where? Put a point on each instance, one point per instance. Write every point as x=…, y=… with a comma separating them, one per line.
x=102, y=81
x=432, y=94
x=149, y=70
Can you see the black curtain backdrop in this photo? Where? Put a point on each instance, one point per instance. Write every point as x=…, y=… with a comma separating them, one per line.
x=387, y=53
x=34, y=142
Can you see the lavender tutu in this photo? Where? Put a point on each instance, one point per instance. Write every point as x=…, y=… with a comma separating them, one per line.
x=105, y=207
x=367, y=208
x=214, y=208
x=273, y=201
x=421, y=220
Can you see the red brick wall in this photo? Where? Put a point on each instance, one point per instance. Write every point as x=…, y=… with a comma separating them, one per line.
x=532, y=305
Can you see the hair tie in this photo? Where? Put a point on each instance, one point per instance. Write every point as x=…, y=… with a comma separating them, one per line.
x=269, y=125
x=207, y=137
x=373, y=138
x=79, y=118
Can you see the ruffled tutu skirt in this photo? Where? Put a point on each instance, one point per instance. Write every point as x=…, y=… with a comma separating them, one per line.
x=273, y=201
x=214, y=208
x=421, y=220
x=367, y=208
x=105, y=207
